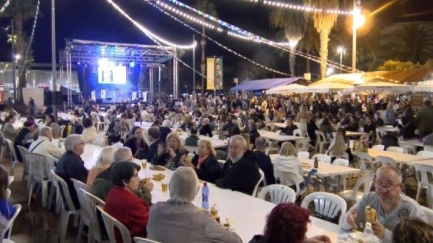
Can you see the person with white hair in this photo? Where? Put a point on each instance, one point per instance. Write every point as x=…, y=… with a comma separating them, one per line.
x=103, y=181
x=44, y=145
x=71, y=166
x=205, y=129
x=178, y=218
x=104, y=160
x=240, y=172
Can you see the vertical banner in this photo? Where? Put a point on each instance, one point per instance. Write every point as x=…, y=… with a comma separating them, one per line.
x=210, y=73
x=219, y=73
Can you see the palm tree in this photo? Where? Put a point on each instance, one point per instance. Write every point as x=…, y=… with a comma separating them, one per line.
x=309, y=43
x=20, y=11
x=209, y=8
x=411, y=42
x=293, y=24
x=323, y=23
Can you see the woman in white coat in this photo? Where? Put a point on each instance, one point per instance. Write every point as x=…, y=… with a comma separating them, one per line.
x=288, y=167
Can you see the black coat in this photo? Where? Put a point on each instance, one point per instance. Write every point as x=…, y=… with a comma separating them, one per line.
x=265, y=164
x=205, y=130
x=209, y=171
x=163, y=133
x=241, y=176
x=153, y=150
x=71, y=166
x=143, y=149
x=19, y=141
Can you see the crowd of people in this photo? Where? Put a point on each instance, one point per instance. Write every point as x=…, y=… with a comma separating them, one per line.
x=114, y=178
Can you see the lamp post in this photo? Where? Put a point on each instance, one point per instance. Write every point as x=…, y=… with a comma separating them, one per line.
x=14, y=85
x=340, y=50
x=53, y=54
x=358, y=21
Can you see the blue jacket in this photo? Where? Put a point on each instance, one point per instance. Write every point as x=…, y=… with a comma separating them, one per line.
x=7, y=210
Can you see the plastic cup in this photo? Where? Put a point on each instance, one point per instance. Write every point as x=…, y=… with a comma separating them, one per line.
x=144, y=164
x=164, y=186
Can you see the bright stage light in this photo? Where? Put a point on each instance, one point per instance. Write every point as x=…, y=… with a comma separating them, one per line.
x=103, y=62
x=132, y=64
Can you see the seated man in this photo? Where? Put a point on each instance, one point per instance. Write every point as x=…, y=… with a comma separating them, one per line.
x=240, y=172
x=264, y=161
x=103, y=182
x=389, y=202
x=44, y=145
x=290, y=127
x=192, y=140
x=24, y=137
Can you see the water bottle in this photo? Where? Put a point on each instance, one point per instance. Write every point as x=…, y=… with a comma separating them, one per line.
x=205, y=197
x=367, y=234
x=59, y=143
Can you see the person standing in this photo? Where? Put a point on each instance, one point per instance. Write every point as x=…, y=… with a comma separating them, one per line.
x=424, y=119
x=32, y=106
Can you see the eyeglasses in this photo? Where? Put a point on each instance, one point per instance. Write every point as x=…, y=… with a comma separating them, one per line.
x=387, y=187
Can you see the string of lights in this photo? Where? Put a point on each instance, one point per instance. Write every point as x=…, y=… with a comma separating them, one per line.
x=304, y=8
x=148, y=32
x=155, y=39
x=245, y=35
x=5, y=6
x=35, y=21
x=217, y=43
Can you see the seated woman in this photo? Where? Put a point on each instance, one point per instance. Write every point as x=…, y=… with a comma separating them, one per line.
x=187, y=123
x=178, y=218
x=8, y=129
x=205, y=129
x=171, y=155
x=204, y=162
x=338, y=148
x=103, y=161
x=50, y=121
x=287, y=161
x=123, y=204
x=253, y=133
x=6, y=208
x=89, y=132
x=352, y=126
x=288, y=221
x=290, y=127
x=326, y=127
x=136, y=143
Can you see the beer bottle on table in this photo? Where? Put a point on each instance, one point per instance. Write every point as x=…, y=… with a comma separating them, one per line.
x=316, y=163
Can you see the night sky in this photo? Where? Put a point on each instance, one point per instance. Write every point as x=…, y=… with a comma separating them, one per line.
x=98, y=20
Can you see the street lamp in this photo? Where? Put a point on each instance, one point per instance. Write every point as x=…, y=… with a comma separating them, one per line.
x=17, y=57
x=340, y=50
x=329, y=71
x=358, y=21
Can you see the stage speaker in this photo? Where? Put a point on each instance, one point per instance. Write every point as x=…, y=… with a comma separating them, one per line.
x=53, y=98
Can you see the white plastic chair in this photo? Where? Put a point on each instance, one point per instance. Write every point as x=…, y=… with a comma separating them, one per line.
x=383, y=160
x=321, y=142
x=421, y=175
x=322, y=158
x=23, y=151
x=262, y=177
x=288, y=178
x=427, y=154
x=111, y=223
x=37, y=174
x=11, y=221
x=428, y=148
x=143, y=240
x=84, y=215
x=302, y=144
x=429, y=213
x=64, y=214
x=378, y=147
x=50, y=164
x=101, y=142
x=278, y=193
x=395, y=149
x=327, y=205
x=298, y=133
x=303, y=154
x=14, y=158
x=355, y=194
x=366, y=163
x=2, y=145
x=88, y=203
x=344, y=163
x=408, y=148
x=61, y=129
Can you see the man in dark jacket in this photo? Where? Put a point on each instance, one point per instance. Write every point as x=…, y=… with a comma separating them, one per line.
x=24, y=137
x=103, y=183
x=154, y=137
x=71, y=166
x=240, y=172
x=264, y=161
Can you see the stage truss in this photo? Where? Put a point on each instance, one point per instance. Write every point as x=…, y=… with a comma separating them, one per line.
x=90, y=52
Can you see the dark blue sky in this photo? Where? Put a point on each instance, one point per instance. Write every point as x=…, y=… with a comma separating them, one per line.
x=97, y=20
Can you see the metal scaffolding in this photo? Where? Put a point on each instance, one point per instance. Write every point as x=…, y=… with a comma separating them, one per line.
x=149, y=56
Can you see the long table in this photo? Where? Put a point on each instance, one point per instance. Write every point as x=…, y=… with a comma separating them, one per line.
x=278, y=137
x=398, y=157
x=247, y=213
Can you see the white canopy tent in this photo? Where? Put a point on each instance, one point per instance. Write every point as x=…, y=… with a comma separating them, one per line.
x=424, y=87
x=285, y=89
x=377, y=88
x=326, y=87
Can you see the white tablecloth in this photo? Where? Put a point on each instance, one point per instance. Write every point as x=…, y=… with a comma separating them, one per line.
x=278, y=137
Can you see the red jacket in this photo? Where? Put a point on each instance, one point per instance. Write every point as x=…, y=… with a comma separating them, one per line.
x=130, y=210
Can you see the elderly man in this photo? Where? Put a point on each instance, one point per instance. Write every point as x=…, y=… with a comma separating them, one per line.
x=240, y=172
x=24, y=137
x=71, y=166
x=44, y=144
x=389, y=202
x=205, y=129
x=103, y=183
